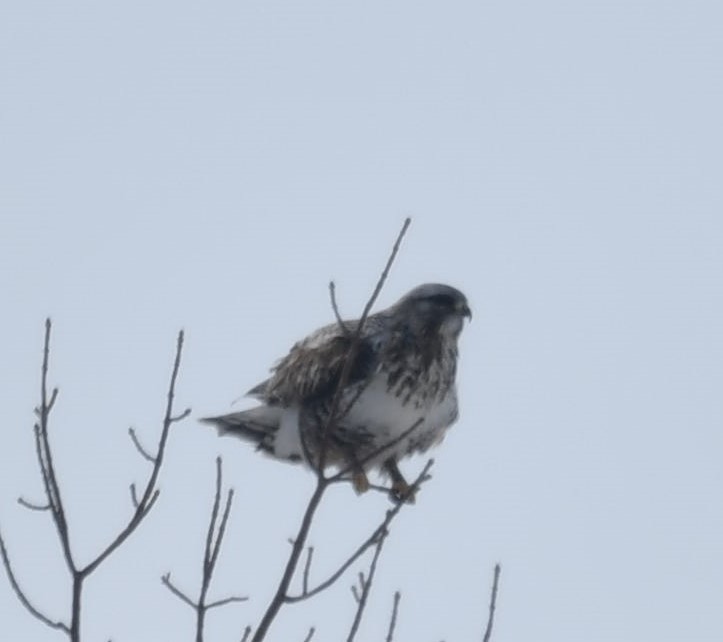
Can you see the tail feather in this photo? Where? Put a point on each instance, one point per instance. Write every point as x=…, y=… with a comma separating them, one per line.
x=257, y=425
x=260, y=426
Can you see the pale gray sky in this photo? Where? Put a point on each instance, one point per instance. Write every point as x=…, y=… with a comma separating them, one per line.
x=212, y=165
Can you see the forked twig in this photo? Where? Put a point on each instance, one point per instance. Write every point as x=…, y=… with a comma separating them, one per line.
x=380, y=532
x=366, y=586
x=55, y=503
x=214, y=538
x=166, y=581
x=150, y=492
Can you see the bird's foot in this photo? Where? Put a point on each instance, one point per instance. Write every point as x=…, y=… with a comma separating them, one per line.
x=402, y=493
x=360, y=481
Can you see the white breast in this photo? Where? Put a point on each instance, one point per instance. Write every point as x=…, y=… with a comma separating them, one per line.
x=387, y=417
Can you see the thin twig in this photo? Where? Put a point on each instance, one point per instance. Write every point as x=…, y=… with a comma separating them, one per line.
x=354, y=346
x=45, y=455
x=32, y=506
x=139, y=447
x=166, y=580
x=493, y=604
x=39, y=452
x=210, y=532
x=388, y=266
x=310, y=634
x=53, y=397
x=335, y=307
x=307, y=569
x=227, y=600
x=245, y=636
x=134, y=495
x=216, y=547
x=150, y=493
x=393, y=619
x=24, y=598
x=378, y=533
x=366, y=586
x=214, y=538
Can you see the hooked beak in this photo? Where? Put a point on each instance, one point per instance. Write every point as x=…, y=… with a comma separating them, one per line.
x=463, y=310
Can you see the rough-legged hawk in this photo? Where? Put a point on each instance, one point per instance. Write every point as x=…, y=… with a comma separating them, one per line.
x=399, y=396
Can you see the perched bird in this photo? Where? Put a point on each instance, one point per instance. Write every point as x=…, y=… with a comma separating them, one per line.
x=398, y=396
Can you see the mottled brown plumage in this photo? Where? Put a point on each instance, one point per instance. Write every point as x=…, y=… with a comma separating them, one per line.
x=402, y=375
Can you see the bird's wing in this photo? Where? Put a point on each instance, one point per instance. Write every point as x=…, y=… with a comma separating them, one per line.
x=313, y=367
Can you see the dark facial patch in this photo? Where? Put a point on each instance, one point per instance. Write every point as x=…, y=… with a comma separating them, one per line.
x=442, y=300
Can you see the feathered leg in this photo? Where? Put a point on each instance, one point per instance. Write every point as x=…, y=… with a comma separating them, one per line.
x=359, y=479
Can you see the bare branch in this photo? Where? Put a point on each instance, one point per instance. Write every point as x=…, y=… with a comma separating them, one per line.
x=214, y=538
x=353, y=348
x=32, y=506
x=335, y=307
x=362, y=579
x=366, y=586
x=166, y=580
x=378, y=533
x=298, y=546
x=213, y=549
x=310, y=634
x=393, y=619
x=21, y=594
x=493, y=604
x=39, y=451
x=208, y=551
x=307, y=569
x=247, y=632
x=134, y=495
x=45, y=458
x=180, y=417
x=147, y=508
x=387, y=267
x=308, y=456
x=226, y=600
x=54, y=499
x=150, y=493
x=139, y=447
x=53, y=397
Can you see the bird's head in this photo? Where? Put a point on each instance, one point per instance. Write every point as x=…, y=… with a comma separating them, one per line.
x=435, y=307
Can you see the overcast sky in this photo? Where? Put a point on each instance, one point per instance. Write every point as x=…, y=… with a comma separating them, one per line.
x=210, y=166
